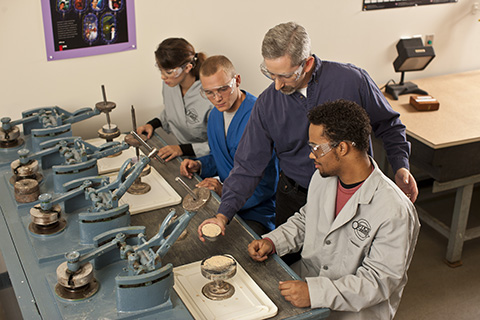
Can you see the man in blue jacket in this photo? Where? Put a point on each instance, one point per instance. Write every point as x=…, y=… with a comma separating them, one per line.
x=226, y=123
x=278, y=123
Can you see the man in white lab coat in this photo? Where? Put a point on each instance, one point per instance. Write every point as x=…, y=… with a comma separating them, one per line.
x=358, y=229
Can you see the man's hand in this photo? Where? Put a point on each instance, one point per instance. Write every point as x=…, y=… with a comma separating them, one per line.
x=260, y=249
x=147, y=128
x=212, y=184
x=406, y=182
x=170, y=152
x=188, y=167
x=220, y=220
x=296, y=292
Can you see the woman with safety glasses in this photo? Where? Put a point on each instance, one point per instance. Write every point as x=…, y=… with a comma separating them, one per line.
x=186, y=112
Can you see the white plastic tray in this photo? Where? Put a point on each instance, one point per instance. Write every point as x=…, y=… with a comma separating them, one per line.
x=112, y=164
x=248, y=301
x=161, y=194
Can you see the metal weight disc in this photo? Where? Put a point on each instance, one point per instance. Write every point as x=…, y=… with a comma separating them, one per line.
x=105, y=106
x=78, y=279
x=46, y=222
x=77, y=286
x=26, y=190
x=132, y=141
x=37, y=176
x=192, y=205
x=45, y=217
x=11, y=138
x=50, y=230
x=77, y=294
x=109, y=133
x=139, y=188
x=11, y=143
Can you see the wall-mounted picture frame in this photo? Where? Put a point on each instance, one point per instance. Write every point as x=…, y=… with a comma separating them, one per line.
x=80, y=28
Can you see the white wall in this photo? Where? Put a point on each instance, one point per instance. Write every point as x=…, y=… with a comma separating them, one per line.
x=339, y=29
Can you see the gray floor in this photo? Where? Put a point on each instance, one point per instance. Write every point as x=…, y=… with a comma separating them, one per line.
x=9, y=309
x=434, y=290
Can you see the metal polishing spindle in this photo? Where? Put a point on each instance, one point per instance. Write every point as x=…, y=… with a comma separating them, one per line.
x=108, y=131
x=134, y=125
x=183, y=184
x=138, y=187
x=106, y=102
x=195, y=199
x=152, y=151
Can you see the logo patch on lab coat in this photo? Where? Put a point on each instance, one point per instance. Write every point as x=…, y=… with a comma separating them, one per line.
x=192, y=116
x=361, y=228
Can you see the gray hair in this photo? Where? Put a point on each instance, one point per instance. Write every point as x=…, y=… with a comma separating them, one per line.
x=287, y=38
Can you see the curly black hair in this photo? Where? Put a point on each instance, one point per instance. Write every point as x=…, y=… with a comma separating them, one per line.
x=343, y=120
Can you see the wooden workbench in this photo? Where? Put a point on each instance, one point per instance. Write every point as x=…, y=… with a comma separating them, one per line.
x=446, y=145
x=457, y=120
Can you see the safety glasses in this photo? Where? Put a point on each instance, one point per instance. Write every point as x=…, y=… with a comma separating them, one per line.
x=295, y=75
x=223, y=91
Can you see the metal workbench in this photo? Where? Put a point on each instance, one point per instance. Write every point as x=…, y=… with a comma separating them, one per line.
x=33, y=274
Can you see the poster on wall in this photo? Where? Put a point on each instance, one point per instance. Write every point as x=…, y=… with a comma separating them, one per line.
x=387, y=4
x=80, y=28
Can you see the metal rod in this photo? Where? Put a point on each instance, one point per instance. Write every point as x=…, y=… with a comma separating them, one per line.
x=150, y=149
x=134, y=121
x=190, y=191
x=134, y=125
x=105, y=102
x=108, y=119
x=104, y=94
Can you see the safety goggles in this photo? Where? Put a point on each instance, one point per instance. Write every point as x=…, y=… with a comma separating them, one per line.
x=172, y=73
x=223, y=91
x=295, y=75
x=323, y=147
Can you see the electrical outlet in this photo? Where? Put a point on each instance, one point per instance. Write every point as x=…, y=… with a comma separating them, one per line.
x=429, y=39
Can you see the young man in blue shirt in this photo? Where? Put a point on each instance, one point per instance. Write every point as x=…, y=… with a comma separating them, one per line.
x=226, y=123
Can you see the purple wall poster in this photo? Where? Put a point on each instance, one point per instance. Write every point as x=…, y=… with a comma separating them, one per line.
x=79, y=28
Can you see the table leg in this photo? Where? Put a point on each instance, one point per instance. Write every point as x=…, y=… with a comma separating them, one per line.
x=459, y=225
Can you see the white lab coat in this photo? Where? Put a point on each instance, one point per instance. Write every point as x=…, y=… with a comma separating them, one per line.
x=186, y=116
x=357, y=263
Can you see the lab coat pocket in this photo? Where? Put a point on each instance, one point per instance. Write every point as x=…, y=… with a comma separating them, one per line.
x=354, y=255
